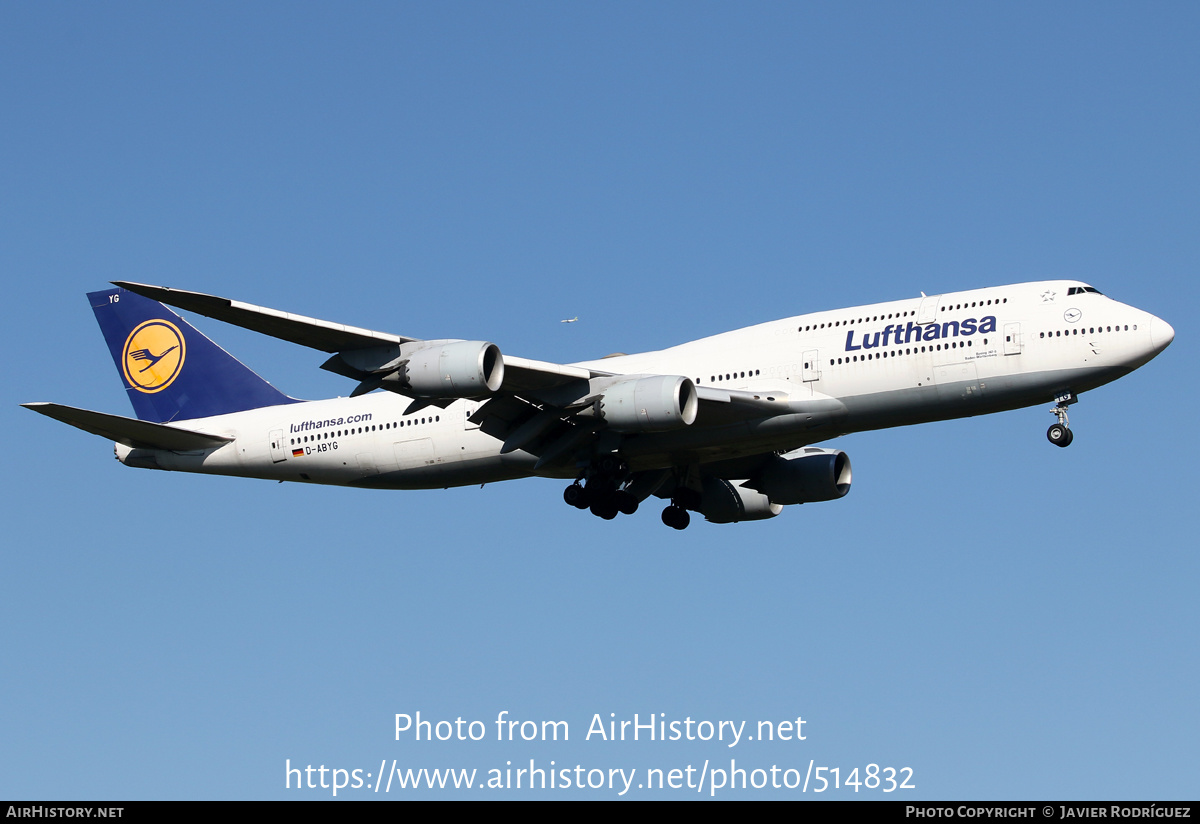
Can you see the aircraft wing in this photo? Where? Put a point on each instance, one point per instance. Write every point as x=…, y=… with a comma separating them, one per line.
x=521, y=374
x=311, y=332
x=129, y=431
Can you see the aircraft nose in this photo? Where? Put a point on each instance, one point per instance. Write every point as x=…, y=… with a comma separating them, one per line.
x=1161, y=333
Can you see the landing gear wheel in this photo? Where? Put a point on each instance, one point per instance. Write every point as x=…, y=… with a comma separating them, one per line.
x=1059, y=435
x=626, y=503
x=676, y=517
x=605, y=508
x=576, y=496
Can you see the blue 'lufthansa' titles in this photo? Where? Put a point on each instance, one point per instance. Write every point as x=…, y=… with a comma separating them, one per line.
x=913, y=332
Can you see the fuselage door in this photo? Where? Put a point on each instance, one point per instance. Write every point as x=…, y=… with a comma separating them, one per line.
x=812, y=370
x=1012, y=338
x=278, y=450
x=928, y=311
x=469, y=408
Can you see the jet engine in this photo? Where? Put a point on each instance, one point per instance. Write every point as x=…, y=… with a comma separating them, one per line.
x=453, y=369
x=424, y=369
x=725, y=502
x=653, y=404
x=804, y=476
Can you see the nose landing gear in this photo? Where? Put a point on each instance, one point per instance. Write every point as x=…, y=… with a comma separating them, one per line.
x=1060, y=433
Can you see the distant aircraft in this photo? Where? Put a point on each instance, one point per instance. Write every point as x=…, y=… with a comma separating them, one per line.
x=723, y=426
x=570, y=320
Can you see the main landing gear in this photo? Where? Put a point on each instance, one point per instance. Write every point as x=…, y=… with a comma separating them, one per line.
x=608, y=489
x=602, y=494
x=676, y=517
x=1060, y=433
x=603, y=500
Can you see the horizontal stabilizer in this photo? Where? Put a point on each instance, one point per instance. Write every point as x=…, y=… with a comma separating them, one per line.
x=131, y=432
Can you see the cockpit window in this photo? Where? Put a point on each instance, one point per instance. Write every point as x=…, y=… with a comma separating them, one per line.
x=1079, y=290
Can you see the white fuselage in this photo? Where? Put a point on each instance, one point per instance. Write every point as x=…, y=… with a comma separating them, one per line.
x=834, y=372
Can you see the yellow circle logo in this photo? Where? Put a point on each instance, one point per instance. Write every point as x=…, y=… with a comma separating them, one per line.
x=154, y=354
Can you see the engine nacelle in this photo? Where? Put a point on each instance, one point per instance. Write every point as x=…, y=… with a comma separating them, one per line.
x=452, y=369
x=805, y=476
x=652, y=404
x=725, y=502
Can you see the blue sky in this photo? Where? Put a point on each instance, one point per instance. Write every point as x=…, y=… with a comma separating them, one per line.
x=1007, y=619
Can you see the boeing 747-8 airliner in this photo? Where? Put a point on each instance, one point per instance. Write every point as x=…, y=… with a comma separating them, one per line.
x=723, y=426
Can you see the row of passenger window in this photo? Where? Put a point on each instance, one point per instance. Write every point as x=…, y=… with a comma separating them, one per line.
x=732, y=376
x=342, y=433
x=852, y=321
x=1091, y=330
x=973, y=304
x=897, y=315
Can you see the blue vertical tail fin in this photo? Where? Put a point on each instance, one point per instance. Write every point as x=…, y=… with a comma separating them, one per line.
x=172, y=372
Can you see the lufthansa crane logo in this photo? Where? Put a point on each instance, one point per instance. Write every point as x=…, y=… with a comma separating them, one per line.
x=154, y=354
